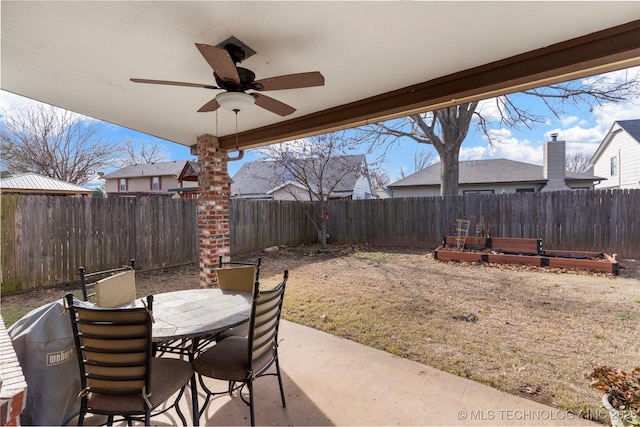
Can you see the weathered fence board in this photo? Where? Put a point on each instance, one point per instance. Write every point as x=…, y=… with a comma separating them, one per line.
x=257, y=224
x=45, y=239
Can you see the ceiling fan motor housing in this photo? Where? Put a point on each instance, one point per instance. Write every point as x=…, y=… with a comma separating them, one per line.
x=246, y=81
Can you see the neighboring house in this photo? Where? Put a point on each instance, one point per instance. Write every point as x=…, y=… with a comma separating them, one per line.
x=38, y=185
x=495, y=176
x=270, y=180
x=187, y=181
x=618, y=156
x=145, y=179
x=383, y=192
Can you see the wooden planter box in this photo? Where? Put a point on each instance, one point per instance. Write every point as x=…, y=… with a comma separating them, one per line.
x=608, y=266
x=512, y=244
x=449, y=255
x=527, y=248
x=556, y=252
x=515, y=259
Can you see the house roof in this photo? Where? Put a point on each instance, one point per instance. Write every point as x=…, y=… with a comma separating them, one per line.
x=264, y=176
x=486, y=171
x=376, y=57
x=32, y=182
x=149, y=169
x=632, y=127
x=190, y=171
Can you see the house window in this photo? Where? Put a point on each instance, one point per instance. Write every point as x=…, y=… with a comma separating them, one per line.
x=524, y=190
x=155, y=183
x=122, y=185
x=614, y=166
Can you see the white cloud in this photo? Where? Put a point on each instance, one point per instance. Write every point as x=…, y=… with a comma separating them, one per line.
x=579, y=139
x=579, y=134
x=506, y=147
x=568, y=121
x=606, y=114
x=473, y=153
x=489, y=110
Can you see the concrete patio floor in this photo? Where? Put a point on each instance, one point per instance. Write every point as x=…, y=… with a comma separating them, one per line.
x=333, y=381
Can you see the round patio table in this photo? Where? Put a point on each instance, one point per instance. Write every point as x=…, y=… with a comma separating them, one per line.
x=195, y=313
x=186, y=321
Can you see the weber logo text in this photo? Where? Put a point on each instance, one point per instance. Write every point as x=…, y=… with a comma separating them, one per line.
x=59, y=356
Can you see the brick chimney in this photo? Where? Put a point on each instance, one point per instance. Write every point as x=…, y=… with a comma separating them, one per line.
x=554, y=167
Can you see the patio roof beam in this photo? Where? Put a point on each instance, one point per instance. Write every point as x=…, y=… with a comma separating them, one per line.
x=608, y=50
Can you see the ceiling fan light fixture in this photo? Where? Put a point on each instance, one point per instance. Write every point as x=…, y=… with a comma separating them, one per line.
x=235, y=101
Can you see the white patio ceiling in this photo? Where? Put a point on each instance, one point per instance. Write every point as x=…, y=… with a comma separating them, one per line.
x=379, y=59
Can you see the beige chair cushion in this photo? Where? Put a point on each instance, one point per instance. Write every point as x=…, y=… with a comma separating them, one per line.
x=167, y=376
x=116, y=290
x=240, y=279
x=236, y=331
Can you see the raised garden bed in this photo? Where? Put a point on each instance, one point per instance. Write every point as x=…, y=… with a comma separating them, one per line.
x=522, y=251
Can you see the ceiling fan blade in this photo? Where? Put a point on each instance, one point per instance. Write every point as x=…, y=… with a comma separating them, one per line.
x=291, y=81
x=273, y=105
x=221, y=62
x=209, y=106
x=172, y=83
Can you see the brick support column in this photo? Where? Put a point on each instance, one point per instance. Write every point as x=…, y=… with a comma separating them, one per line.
x=213, y=207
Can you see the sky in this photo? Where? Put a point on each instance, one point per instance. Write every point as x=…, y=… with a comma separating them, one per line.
x=582, y=127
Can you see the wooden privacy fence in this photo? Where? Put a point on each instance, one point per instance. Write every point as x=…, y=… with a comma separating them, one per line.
x=45, y=239
x=602, y=221
x=258, y=224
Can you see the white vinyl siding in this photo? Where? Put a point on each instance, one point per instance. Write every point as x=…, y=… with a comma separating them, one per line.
x=626, y=150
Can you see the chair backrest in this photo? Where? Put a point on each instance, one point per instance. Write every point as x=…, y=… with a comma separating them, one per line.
x=114, y=348
x=265, y=321
x=88, y=280
x=116, y=290
x=238, y=276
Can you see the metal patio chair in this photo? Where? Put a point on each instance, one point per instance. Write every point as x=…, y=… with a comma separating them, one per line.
x=242, y=360
x=119, y=376
x=237, y=276
x=109, y=288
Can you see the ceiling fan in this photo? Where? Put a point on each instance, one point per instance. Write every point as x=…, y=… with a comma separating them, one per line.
x=236, y=81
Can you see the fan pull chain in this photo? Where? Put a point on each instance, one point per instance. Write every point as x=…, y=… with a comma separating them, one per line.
x=236, y=111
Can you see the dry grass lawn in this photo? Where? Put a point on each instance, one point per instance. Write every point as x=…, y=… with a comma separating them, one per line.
x=528, y=331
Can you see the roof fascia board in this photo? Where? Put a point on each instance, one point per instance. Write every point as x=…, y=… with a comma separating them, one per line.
x=607, y=50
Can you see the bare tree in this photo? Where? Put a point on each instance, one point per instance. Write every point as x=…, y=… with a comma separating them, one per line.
x=312, y=170
x=142, y=151
x=379, y=178
x=54, y=143
x=578, y=162
x=421, y=160
x=447, y=128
